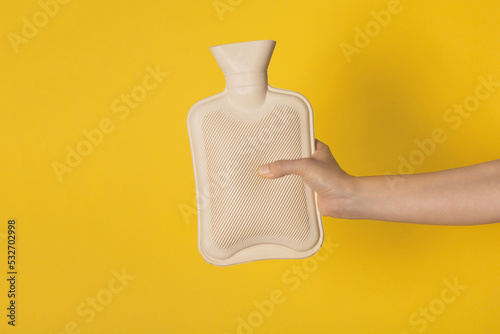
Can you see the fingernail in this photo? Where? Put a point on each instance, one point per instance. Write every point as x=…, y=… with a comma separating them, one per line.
x=264, y=169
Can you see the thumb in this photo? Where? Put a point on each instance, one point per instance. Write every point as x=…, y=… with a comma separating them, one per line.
x=281, y=168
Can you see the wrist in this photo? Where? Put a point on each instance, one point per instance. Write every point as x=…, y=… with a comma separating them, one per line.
x=374, y=197
x=355, y=193
x=361, y=196
x=346, y=200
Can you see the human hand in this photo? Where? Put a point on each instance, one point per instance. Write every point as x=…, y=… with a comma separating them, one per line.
x=460, y=196
x=322, y=173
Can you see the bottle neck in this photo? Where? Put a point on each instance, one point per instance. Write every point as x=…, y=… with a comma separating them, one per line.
x=247, y=91
x=235, y=80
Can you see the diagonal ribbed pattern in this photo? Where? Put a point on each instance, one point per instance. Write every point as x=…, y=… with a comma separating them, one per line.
x=245, y=207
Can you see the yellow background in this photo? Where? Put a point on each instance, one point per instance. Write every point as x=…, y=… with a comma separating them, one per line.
x=130, y=203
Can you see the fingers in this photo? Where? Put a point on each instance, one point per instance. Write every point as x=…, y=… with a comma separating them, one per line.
x=281, y=168
x=298, y=167
x=317, y=142
x=323, y=152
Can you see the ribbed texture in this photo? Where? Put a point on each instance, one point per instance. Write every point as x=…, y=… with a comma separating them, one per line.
x=244, y=206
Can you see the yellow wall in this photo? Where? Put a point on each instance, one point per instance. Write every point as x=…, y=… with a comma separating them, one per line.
x=126, y=209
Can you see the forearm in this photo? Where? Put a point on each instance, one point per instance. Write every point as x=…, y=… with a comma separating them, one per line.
x=462, y=196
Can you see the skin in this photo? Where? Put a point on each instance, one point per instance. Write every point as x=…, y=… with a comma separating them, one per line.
x=460, y=196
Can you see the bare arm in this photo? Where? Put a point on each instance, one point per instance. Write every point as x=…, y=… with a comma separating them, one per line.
x=461, y=196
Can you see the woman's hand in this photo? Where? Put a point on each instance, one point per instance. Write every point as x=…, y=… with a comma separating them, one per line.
x=322, y=173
